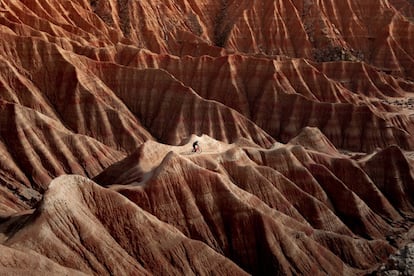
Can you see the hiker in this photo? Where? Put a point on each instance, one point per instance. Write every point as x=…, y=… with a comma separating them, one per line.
x=196, y=147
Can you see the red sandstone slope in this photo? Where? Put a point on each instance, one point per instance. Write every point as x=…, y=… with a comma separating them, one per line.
x=102, y=232
x=206, y=195
x=116, y=91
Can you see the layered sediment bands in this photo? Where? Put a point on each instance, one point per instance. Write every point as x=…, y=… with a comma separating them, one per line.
x=263, y=27
x=234, y=75
x=405, y=7
x=374, y=32
x=221, y=231
x=366, y=80
x=303, y=111
x=312, y=196
x=354, y=127
x=251, y=99
x=313, y=139
x=38, y=149
x=396, y=168
x=98, y=231
x=16, y=262
x=110, y=94
x=270, y=95
x=181, y=112
x=69, y=94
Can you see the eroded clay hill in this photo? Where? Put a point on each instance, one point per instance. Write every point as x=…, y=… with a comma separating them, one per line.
x=303, y=111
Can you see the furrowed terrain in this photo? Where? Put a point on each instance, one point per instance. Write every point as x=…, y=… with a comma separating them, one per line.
x=304, y=111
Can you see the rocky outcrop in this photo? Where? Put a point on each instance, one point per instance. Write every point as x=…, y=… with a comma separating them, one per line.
x=400, y=263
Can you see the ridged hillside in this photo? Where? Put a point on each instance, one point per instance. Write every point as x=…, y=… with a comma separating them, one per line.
x=303, y=110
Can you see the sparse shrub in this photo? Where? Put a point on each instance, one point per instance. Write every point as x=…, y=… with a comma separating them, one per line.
x=336, y=53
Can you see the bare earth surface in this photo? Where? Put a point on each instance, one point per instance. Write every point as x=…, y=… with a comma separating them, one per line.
x=304, y=111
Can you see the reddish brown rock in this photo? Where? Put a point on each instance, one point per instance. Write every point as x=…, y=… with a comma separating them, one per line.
x=16, y=262
x=392, y=173
x=90, y=229
x=327, y=196
x=117, y=91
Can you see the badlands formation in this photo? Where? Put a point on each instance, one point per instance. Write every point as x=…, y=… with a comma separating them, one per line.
x=303, y=109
